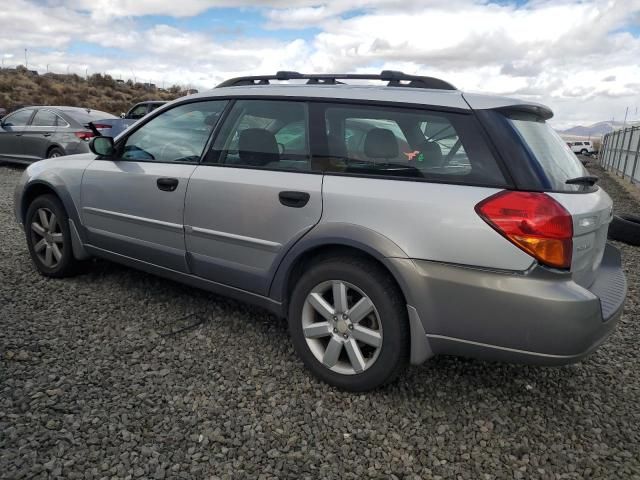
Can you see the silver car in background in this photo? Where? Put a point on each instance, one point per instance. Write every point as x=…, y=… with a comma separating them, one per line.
x=388, y=223
x=33, y=133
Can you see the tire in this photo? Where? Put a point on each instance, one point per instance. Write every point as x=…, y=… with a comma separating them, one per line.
x=584, y=151
x=44, y=239
x=625, y=228
x=55, y=152
x=385, y=324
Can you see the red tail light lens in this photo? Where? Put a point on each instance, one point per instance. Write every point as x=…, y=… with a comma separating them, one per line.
x=86, y=135
x=534, y=222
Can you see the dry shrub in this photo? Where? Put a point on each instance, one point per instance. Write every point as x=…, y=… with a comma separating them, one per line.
x=101, y=92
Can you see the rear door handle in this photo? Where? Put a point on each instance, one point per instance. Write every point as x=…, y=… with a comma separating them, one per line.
x=294, y=199
x=46, y=134
x=167, y=184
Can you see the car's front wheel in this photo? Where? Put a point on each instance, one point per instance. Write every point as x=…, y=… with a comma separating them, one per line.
x=48, y=237
x=348, y=323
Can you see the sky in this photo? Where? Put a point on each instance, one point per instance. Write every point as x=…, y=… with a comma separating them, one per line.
x=580, y=57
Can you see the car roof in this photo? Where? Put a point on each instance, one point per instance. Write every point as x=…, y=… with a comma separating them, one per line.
x=408, y=95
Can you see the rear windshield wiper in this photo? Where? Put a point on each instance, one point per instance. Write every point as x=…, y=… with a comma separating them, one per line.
x=589, y=180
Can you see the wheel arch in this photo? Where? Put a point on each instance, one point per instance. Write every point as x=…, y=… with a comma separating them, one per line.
x=38, y=188
x=335, y=239
x=52, y=147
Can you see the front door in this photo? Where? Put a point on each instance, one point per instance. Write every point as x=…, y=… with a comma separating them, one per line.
x=134, y=205
x=11, y=132
x=254, y=196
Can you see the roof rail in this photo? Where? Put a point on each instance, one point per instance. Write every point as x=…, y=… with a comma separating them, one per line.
x=394, y=79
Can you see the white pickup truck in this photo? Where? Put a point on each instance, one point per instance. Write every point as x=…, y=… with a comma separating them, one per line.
x=583, y=147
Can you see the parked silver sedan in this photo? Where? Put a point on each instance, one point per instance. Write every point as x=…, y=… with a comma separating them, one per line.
x=33, y=133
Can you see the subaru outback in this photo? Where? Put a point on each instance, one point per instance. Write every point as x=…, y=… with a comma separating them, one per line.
x=388, y=223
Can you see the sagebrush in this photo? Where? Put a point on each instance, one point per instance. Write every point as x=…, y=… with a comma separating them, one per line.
x=20, y=87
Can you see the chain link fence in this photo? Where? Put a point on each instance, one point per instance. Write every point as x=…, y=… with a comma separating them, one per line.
x=620, y=153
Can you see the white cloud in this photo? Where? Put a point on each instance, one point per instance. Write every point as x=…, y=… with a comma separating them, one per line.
x=573, y=55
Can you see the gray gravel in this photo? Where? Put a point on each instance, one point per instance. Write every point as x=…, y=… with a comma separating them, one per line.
x=94, y=385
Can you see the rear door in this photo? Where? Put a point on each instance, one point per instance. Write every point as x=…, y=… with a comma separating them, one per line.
x=37, y=136
x=134, y=205
x=590, y=207
x=254, y=196
x=11, y=133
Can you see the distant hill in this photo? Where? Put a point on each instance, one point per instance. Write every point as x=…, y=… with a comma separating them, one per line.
x=595, y=130
x=20, y=87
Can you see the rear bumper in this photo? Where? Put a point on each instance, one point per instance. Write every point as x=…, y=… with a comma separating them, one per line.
x=539, y=316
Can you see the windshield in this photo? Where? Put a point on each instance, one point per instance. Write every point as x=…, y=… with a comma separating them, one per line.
x=555, y=158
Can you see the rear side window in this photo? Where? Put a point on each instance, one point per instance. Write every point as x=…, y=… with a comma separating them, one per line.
x=555, y=160
x=46, y=118
x=268, y=134
x=418, y=144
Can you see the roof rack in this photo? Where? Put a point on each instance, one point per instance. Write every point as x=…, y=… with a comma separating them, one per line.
x=395, y=79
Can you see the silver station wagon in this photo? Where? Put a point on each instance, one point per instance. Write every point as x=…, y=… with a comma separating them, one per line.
x=389, y=223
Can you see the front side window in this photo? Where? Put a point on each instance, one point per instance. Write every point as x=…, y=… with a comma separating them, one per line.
x=18, y=119
x=153, y=106
x=176, y=135
x=409, y=143
x=264, y=134
x=138, y=111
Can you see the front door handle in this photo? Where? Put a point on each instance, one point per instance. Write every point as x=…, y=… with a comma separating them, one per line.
x=167, y=184
x=294, y=199
x=46, y=134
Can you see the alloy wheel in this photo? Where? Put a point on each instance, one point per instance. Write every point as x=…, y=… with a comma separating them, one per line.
x=46, y=235
x=341, y=327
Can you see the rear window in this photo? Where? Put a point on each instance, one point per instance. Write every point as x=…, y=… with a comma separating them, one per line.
x=84, y=116
x=554, y=157
x=410, y=143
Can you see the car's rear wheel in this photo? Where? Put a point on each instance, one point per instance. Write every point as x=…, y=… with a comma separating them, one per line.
x=584, y=151
x=49, y=238
x=348, y=323
x=55, y=152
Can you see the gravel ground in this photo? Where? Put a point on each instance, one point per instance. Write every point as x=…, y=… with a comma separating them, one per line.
x=96, y=381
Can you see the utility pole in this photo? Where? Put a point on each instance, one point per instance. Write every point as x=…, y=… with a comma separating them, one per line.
x=26, y=59
x=624, y=124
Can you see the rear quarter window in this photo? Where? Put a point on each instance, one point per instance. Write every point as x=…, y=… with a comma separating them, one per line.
x=555, y=161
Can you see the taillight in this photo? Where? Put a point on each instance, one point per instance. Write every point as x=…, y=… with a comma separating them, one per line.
x=534, y=222
x=85, y=135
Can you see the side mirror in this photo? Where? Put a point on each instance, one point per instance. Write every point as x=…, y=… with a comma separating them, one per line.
x=123, y=115
x=102, y=146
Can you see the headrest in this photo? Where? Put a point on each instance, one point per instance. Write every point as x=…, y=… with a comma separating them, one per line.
x=381, y=143
x=257, y=146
